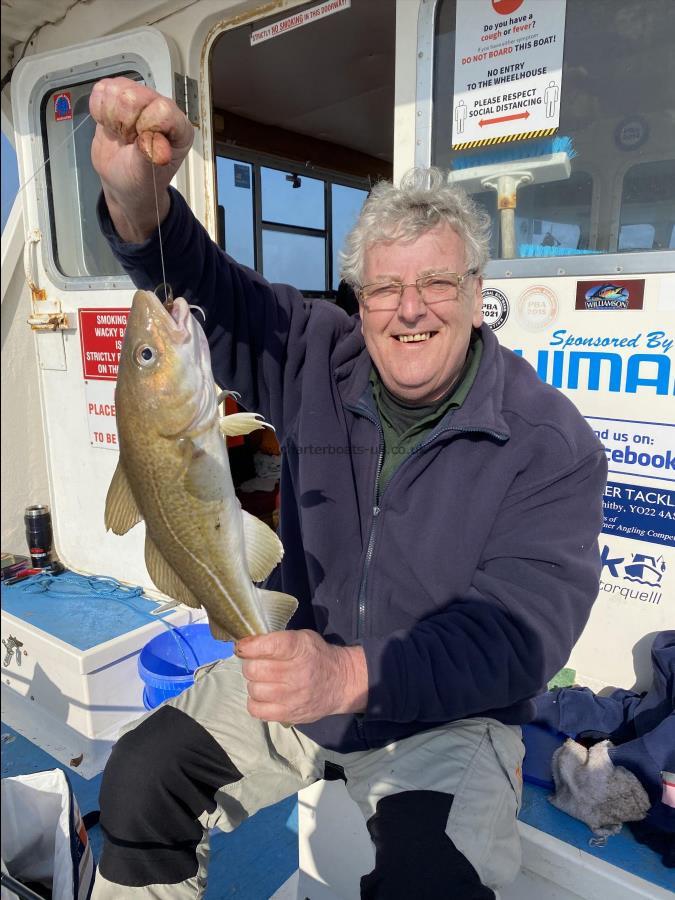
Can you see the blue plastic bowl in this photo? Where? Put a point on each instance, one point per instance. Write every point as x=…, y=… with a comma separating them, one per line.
x=167, y=663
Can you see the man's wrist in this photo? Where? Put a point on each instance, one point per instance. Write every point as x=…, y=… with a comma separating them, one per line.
x=354, y=679
x=136, y=226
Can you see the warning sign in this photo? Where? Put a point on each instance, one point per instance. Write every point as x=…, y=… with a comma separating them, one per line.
x=100, y=400
x=297, y=20
x=101, y=337
x=508, y=70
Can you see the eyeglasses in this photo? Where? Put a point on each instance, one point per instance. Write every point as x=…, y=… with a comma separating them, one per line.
x=434, y=288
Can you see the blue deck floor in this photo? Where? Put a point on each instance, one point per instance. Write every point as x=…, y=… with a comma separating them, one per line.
x=256, y=859
x=251, y=863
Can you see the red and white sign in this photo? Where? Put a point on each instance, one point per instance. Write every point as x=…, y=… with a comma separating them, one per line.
x=508, y=70
x=297, y=20
x=63, y=107
x=101, y=337
x=100, y=400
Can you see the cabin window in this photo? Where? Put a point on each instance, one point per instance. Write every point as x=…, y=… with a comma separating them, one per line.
x=73, y=187
x=286, y=223
x=648, y=207
x=610, y=95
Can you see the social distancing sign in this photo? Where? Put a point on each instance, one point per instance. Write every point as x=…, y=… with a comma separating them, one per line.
x=508, y=70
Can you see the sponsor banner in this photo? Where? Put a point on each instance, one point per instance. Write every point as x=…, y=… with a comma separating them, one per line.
x=101, y=336
x=495, y=308
x=100, y=401
x=508, y=68
x=610, y=295
x=645, y=449
x=635, y=577
x=640, y=512
x=297, y=20
x=619, y=371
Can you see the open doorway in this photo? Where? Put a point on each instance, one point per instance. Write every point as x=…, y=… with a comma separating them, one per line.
x=303, y=125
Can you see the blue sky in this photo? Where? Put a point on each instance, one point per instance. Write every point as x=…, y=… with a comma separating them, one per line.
x=10, y=178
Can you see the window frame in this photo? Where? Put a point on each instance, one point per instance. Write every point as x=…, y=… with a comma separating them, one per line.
x=257, y=161
x=44, y=88
x=626, y=262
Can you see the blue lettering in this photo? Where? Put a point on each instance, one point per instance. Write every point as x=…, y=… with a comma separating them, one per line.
x=594, y=362
x=635, y=376
x=633, y=372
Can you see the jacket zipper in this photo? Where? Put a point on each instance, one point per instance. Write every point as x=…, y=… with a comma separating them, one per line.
x=361, y=616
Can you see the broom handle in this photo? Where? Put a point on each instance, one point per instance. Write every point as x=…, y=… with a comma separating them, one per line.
x=508, y=233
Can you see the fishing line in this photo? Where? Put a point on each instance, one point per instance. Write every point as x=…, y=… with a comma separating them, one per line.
x=168, y=293
x=55, y=150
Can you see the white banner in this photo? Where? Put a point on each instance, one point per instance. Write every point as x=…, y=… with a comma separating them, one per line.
x=508, y=69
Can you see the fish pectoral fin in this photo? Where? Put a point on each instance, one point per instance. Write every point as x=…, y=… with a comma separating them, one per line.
x=201, y=474
x=121, y=510
x=165, y=578
x=223, y=395
x=264, y=550
x=242, y=423
x=277, y=608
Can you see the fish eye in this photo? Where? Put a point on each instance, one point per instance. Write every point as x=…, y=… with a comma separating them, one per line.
x=145, y=355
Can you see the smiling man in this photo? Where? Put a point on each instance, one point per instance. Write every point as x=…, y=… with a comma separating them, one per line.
x=440, y=512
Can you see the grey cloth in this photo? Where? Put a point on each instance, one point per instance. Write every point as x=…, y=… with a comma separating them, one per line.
x=591, y=788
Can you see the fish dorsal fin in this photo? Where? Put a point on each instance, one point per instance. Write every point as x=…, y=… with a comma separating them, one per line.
x=121, y=511
x=277, y=608
x=164, y=577
x=264, y=550
x=242, y=423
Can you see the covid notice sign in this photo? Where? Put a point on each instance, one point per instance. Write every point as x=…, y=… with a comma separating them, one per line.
x=101, y=338
x=508, y=68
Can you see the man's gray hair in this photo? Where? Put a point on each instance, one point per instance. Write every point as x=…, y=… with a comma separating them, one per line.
x=422, y=201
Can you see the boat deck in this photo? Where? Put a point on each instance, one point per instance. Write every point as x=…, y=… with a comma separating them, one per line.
x=259, y=857
x=251, y=863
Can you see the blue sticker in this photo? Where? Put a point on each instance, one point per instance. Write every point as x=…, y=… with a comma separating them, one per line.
x=642, y=513
x=63, y=107
x=242, y=176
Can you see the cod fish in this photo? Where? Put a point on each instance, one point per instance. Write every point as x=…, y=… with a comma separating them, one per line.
x=201, y=547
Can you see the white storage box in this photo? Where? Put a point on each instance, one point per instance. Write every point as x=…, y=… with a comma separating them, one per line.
x=70, y=653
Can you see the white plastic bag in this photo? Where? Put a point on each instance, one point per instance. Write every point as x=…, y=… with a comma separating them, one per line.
x=43, y=838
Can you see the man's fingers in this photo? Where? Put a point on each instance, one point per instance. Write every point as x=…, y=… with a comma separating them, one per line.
x=129, y=110
x=271, y=670
x=277, y=645
x=155, y=147
x=163, y=116
x=263, y=692
x=267, y=712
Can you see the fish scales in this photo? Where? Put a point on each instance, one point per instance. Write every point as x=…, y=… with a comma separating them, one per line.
x=201, y=549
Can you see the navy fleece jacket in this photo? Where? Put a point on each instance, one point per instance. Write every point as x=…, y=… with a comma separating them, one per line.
x=471, y=580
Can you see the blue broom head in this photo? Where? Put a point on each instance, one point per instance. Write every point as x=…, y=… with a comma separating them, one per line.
x=516, y=150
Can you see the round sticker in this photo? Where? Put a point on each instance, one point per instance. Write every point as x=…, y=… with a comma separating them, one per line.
x=495, y=308
x=537, y=308
x=631, y=133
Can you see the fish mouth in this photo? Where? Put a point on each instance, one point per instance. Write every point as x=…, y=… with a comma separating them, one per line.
x=181, y=320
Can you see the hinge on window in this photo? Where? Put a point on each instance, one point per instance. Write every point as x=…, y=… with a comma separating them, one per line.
x=187, y=96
